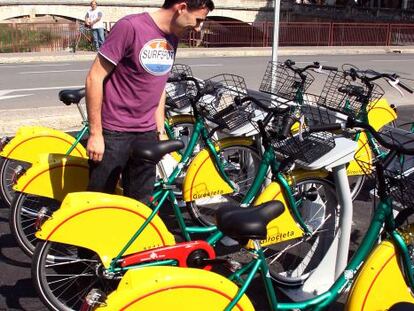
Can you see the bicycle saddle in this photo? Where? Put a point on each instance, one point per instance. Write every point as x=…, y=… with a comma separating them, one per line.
x=397, y=136
x=247, y=223
x=153, y=152
x=69, y=97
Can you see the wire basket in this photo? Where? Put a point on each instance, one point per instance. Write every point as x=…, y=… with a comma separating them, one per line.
x=307, y=149
x=316, y=114
x=219, y=105
x=349, y=97
x=179, y=94
x=399, y=173
x=281, y=81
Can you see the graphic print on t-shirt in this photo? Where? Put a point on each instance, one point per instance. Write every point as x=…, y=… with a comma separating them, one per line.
x=157, y=57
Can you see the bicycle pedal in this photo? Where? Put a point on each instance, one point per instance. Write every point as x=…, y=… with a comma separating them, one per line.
x=233, y=265
x=227, y=241
x=95, y=298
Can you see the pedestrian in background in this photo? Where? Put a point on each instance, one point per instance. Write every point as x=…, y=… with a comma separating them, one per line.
x=94, y=20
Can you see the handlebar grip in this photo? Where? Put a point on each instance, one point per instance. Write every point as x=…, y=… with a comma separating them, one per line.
x=331, y=68
x=325, y=127
x=289, y=62
x=405, y=87
x=288, y=121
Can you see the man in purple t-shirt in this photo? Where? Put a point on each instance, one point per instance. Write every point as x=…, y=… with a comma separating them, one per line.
x=125, y=93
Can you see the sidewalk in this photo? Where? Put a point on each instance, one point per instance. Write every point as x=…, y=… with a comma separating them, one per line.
x=64, y=56
x=67, y=118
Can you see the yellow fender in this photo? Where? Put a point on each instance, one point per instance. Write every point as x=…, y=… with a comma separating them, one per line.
x=173, y=288
x=33, y=140
x=284, y=227
x=54, y=176
x=202, y=178
x=380, y=113
x=177, y=119
x=380, y=283
x=362, y=163
x=104, y=223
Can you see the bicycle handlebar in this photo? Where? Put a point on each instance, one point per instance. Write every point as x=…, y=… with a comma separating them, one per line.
x=352, y=123
x=274, y=110
x=362, y=75
x=316, y=65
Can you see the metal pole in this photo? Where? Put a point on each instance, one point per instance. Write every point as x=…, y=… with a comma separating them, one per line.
x=276, y=5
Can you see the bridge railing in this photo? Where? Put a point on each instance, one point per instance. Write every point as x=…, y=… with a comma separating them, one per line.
x=21, y=37
x=302, y=34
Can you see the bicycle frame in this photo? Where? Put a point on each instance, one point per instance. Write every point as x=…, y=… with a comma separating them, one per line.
x=383, y=218
x=165, y=192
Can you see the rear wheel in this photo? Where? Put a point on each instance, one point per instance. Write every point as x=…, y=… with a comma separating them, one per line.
x=64, y=274
x=23, y=214
x=292, y=262
x=8, y=178
x=241, y=163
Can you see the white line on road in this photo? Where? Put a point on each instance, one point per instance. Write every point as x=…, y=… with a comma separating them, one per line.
x=51, y=71
x=33, y=66
x=392, y=60
x=42, y=89
x=207, y=65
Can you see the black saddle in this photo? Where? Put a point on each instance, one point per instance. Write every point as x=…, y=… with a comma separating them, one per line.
x=397, y=136
x=248, y=223
x=153, y=152
x=69, y=97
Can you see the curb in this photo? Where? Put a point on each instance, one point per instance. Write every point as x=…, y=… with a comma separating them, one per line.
x=14, y=58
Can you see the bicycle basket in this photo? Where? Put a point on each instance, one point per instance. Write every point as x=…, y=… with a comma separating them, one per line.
x=281, y=81
x=318, y=114
x=219, y=105
x=180, y=93
x=342, y=94
x=399, y=173
x=308, y=148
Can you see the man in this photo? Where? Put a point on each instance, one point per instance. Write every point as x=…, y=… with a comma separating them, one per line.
x=94, y=20
x=125, y=93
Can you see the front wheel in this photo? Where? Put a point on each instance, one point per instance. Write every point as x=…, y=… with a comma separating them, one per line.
x=64, y=274
x=292, y=262
x=23, y=215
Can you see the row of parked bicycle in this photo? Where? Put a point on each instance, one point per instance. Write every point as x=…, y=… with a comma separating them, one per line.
x=273, y=171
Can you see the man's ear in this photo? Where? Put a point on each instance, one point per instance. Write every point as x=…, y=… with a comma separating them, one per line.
x=181, y=7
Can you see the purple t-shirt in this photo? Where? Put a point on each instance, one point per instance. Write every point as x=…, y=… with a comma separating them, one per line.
x=143, y=56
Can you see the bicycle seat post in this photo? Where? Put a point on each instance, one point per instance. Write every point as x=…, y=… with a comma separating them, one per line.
x=82, y=113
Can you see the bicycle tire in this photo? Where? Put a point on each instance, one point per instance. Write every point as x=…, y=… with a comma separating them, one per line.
x=182, y=130
x=63, y=275
x=203, y=210
x=7, y=177
x=293, y=265
x=23, y=214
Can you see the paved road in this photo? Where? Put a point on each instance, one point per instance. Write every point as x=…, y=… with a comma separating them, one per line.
x=36, y=85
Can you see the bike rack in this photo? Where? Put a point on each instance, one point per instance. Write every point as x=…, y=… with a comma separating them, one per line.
x=336, y=258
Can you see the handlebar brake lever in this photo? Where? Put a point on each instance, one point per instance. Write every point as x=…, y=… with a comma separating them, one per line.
x=394, y=84
x=320, y=70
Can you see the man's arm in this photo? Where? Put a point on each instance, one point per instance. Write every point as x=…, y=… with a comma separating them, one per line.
x=94, y=94
x=87, y=20
x=97, y=19
x=160, y=117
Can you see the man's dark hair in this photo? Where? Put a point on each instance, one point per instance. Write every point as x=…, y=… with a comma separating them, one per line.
x=192, y=4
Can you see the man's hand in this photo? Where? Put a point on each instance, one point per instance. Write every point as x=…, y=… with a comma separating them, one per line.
x=95, y=148
x=163, y=136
